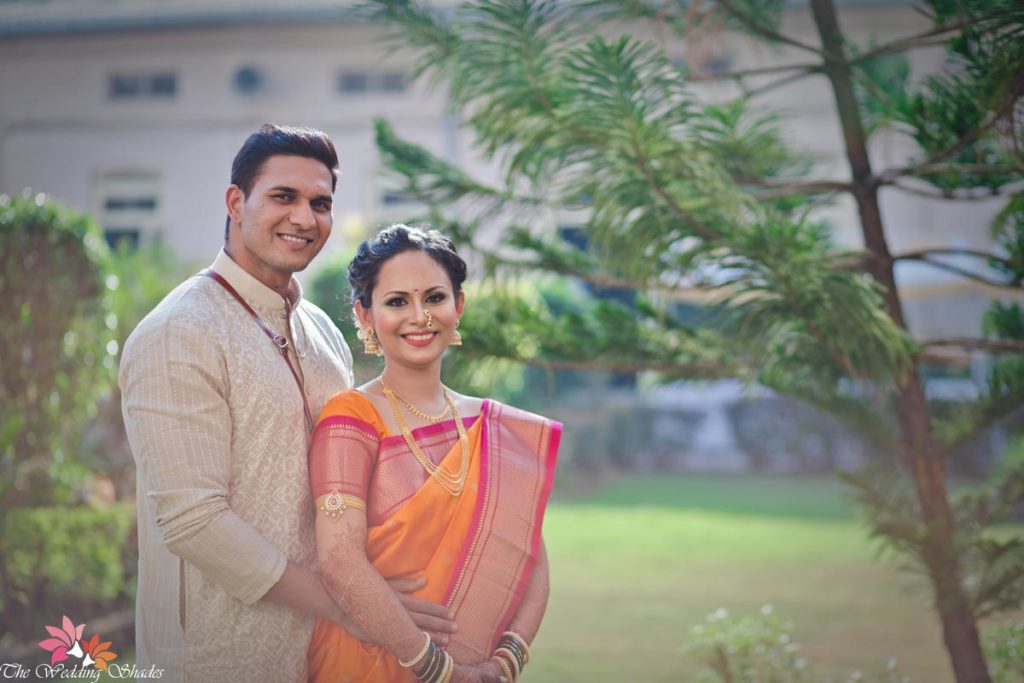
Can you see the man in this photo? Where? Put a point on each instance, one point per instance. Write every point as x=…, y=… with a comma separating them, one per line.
x=220, y=383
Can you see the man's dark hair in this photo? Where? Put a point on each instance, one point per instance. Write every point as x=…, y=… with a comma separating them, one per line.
x=392, y=241
x=273, y=140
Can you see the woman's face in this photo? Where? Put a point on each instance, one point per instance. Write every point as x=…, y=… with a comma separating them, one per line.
x=408, y=286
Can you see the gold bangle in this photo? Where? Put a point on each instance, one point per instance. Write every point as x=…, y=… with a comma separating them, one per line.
x=511, y=648
x=449, y=669
x=512, y=660
x=519, y=640
x=334, y=504
x=505, y=668
x=416, y=660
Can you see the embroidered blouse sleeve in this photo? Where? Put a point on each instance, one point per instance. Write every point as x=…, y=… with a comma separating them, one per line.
x=342, y=456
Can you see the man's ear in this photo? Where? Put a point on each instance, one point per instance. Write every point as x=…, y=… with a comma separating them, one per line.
x=234, y=198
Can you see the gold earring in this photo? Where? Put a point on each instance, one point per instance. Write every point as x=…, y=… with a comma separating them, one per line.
x=371, y=345
x=456, y=336
x=430, y=320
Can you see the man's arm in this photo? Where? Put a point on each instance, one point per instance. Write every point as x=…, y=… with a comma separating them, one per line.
x=299, y=588
x=174, y=386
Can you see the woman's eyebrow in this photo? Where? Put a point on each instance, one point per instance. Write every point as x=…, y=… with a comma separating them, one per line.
x=398, y=291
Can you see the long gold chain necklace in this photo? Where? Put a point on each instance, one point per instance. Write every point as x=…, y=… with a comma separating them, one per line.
x=451, y=483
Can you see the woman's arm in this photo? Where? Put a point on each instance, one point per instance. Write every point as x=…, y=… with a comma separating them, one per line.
x=526, y=621
x=367, y=599
x=513, y=650
x=359, y=589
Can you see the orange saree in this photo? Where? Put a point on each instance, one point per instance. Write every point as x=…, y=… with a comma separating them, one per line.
x=477, y=550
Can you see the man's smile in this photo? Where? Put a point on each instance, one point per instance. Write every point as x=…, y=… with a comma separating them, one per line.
x=295, y=238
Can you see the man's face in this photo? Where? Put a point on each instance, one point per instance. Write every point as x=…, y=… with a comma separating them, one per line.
x=285, y=220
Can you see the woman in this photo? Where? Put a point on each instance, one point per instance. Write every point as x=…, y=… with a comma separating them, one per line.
x=412, y=479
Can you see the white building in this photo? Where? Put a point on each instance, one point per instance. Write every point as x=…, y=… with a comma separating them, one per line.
x=133, y=110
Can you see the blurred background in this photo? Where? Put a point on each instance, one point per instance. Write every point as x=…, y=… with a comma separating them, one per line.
x=699, y=530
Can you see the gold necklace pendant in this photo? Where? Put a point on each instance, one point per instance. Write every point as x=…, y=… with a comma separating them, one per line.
x=449, y=482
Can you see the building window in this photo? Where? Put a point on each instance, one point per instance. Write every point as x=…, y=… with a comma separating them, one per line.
x=392, y=82
x=131, y=86
x=362, y=82
x=249, y=80
x=129, y=207
x=397, y=198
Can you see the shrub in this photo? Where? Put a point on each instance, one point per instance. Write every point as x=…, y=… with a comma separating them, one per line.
x=56, y=359
x=748, y=649
x=1004, y=650
x=760, y=648
x=58, y=560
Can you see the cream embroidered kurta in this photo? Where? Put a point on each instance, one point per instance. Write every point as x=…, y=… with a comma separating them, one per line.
x=216, y=425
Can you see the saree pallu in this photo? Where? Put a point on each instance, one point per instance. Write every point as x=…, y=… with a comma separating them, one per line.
x=477, y=550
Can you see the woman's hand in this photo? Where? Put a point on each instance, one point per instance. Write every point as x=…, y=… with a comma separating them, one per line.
x=484, y=672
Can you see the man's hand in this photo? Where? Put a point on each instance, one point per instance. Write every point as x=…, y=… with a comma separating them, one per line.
x=428, y=616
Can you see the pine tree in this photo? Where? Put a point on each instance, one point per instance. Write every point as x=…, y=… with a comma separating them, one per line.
x=586, y=115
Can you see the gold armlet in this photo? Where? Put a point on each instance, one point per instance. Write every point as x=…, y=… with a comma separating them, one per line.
x=334, y=504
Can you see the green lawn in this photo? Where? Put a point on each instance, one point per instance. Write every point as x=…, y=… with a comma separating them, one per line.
x=636, y=564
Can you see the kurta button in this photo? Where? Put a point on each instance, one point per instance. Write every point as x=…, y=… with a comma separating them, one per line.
x=284, y=315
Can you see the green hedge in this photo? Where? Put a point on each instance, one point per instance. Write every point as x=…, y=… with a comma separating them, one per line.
x=58, y=355
x=59, y=559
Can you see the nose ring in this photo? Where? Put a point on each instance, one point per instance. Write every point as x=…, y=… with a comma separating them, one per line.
x=430, y=320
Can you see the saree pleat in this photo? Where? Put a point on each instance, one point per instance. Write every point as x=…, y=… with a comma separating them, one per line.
x=476, y=550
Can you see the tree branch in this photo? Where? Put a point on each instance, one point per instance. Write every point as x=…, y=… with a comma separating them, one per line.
x=972, y=344
x=761, y=71
x=777, y=83
x=910, y=42
x=949, y=167
x=956, y=270
x=961, y=194
x=689, y=370
x=684, y=215
x=604, y=281
x=775, y=189
x=952, y=251
x=765, y=31
x=964, y=141
x=980, y=169
x=589, y=277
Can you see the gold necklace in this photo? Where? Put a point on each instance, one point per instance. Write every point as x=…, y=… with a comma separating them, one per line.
x=433, y=419
x=451, y=483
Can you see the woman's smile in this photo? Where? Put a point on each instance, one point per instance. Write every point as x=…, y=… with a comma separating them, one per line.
x=419, y=339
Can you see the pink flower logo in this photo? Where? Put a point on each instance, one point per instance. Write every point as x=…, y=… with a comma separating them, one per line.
x=64, y=641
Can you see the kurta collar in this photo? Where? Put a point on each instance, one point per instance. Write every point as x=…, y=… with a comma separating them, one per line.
x=254, y=291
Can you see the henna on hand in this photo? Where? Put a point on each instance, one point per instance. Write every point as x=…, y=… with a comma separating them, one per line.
x=362, y=592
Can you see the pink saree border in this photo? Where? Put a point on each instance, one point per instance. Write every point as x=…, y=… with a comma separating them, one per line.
x=550, y=458
x=485, y=492
x=427, y=431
